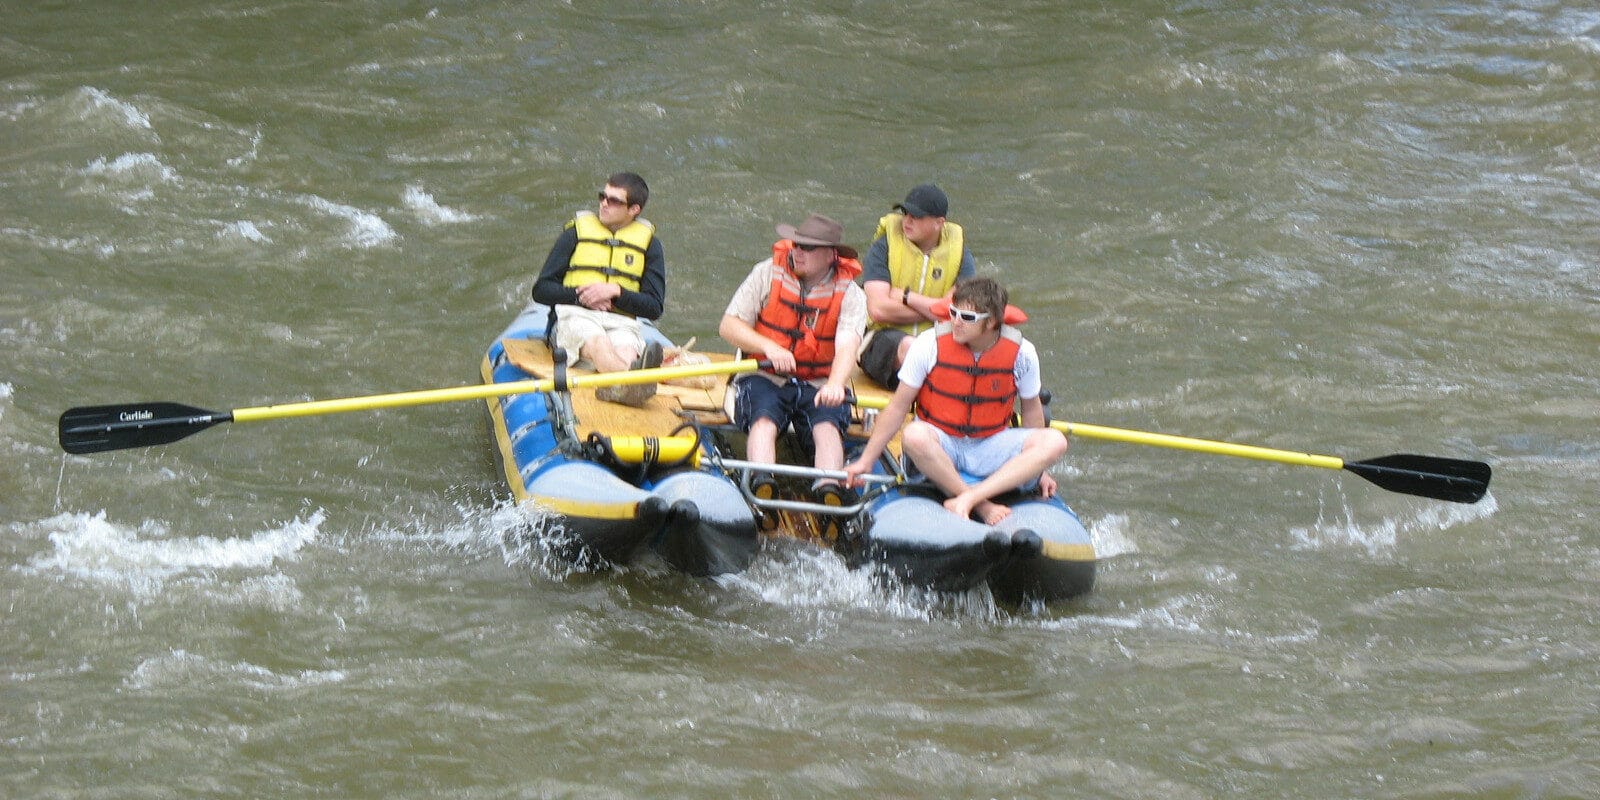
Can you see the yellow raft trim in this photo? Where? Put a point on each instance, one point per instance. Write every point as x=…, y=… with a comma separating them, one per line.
x=588, y=509
x=1065, y=551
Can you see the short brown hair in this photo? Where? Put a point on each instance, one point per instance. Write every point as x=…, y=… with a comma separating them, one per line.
x=983, y=294
x=630, y=182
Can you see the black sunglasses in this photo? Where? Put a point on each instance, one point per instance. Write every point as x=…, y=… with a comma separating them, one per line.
x=606, y=198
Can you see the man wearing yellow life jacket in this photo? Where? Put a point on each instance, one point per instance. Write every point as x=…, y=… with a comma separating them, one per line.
x=916, y=258
x=605, y=272
x=965, y=378
x=802, y=311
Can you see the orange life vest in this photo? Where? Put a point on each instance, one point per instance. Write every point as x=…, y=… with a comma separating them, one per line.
x=806, y=325
x=963, y=397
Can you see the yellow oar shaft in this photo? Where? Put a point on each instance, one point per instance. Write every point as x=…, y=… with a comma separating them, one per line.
x=479, y=392
x=1175, y=442
x=1197, y=445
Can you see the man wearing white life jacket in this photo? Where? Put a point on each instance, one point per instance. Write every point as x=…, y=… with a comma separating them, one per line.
x=916, y=258
x=965, y=377
x=605, y=272
x=801, y=310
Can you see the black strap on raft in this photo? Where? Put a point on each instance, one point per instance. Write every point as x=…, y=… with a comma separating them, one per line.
x=560, y=376
x=550, y=328
x=598, y=449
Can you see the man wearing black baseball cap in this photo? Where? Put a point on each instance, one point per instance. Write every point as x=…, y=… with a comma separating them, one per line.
x=916, y=258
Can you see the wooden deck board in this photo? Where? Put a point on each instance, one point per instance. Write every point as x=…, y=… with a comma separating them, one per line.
x=666, y=410
x=672, y=405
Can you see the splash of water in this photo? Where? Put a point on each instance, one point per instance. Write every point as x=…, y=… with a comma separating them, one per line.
x=97, y=104
x=180, y=667
x=142, y=559
x=1380, y=537
x=429, y=210
x=366, y=228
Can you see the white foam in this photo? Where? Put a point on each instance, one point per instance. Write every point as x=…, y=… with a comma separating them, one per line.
x=1184, y=614
x=802, y=576
x=88, y=245
x=274, y=592
x=134, y=166
x=1380, y=537
x=142, y=559
x=519, y=535
x=1109, y=535
x=243, y=229
x=180, y=667
x=98, y=103
x=429, y=211
x=16, y=111
x=250, y=156
x=799, y=575
x=366, y=228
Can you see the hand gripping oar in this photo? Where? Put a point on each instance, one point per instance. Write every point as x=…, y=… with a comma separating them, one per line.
x=92, y=429
x=1451, y=479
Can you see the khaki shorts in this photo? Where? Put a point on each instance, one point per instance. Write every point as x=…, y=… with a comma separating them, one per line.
x=576, y=325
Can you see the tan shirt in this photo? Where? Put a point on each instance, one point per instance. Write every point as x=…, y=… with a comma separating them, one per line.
x=752, y=295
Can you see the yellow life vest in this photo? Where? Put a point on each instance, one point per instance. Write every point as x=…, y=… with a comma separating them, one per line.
x=604, y=256
x=931, y=274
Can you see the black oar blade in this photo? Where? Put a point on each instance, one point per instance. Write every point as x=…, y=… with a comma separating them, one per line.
x=1450, y=479
x=93, y=429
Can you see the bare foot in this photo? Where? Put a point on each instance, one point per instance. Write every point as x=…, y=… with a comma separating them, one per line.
x=960, y=505
x=991, y=513
x=988, y=513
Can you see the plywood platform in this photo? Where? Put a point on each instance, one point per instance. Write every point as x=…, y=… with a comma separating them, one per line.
x=673, y=405
x=668, y=409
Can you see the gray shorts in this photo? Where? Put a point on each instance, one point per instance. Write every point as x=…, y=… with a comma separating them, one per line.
x=982, y=457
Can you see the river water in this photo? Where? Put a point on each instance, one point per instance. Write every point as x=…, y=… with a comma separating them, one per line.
x=1349, y=228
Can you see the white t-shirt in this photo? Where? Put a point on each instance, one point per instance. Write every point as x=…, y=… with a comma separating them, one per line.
x=924, y=353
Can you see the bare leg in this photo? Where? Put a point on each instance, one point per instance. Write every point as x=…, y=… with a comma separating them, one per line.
x=761, y=446
x=921, y=442
x=605, y=356
x=1043, y=448
x=828, y=447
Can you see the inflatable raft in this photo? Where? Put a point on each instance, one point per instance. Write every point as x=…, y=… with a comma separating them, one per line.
x=667, y=479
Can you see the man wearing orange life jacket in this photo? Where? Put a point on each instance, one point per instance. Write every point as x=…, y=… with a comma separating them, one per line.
x=802, y=311
x=965, y=378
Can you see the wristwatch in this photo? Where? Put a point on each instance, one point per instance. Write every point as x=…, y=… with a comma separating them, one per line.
x=905, y=297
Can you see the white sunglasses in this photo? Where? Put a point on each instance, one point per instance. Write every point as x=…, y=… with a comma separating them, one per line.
x=969, y=316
